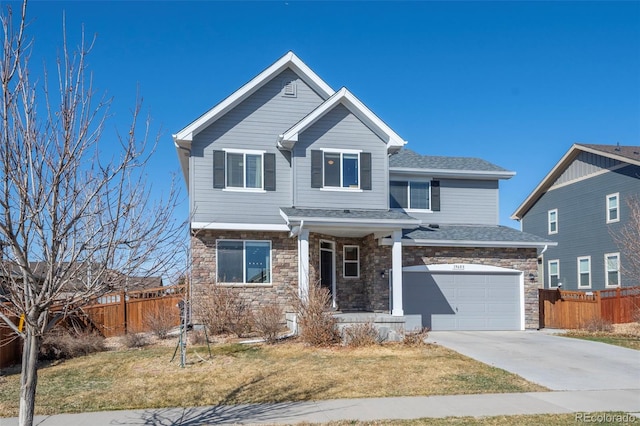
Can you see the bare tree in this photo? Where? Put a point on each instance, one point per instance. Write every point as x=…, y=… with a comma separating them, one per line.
x=73, y=221
x=628, y=240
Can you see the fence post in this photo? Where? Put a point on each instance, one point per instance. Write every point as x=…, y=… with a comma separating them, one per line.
x=123, y=304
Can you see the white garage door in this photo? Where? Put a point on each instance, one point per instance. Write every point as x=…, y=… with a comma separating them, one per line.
x=464, y=297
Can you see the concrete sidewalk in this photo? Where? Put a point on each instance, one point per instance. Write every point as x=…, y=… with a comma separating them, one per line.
x=370, y=409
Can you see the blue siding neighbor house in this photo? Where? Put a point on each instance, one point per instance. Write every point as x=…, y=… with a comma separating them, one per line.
x=293, y=184
x=582, y=204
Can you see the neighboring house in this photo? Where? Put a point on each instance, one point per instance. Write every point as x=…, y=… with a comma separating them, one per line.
x=292, y=183
x=581, y=204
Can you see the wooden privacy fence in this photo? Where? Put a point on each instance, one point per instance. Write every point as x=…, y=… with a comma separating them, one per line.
x=10, y=343
x=574, y=309
x=132, y=312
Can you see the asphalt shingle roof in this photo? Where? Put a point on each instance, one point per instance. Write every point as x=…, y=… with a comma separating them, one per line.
x=411, y=159
x=347, y=214
x=478, y=233
x=629, y=151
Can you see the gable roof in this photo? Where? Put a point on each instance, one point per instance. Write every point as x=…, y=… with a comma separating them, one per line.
x=626, y=154
x=184, y=137
x=407, y=161
x=343, y=97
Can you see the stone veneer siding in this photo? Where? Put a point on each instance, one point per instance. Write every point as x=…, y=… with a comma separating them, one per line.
x=284, y=268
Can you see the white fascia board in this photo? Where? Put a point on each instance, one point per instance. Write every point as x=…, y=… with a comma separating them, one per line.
x=467, y=243
x=240, y=226
x=289, y=60
x=357, y=108
x=354, y=223
x=477, y=174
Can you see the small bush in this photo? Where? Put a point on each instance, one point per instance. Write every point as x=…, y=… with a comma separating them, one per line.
x=415, y=338
x=224, y=311
x=161, y=323
x=595, y=325
x=69, y=344
x=359, y=335
x=267, y=321
x=134, y=340
x=317, y=325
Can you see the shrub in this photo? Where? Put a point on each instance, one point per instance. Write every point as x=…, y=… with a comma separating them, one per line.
x=162, y=322
x=416, y=337
x=134, y=340
x=224, y=311
x=267, y=321
x=595, y=325
x=317, y=326
x=70, y=344
x=365, y=334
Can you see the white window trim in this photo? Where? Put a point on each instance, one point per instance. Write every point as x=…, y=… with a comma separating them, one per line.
x=617, y=197
x=345, y=261
x=578, y=266
x=556, y=261
x=244, y=153
x=341, y=152
x=244, y=264
x=606, y=270
x=409, y=209
x=549, y=222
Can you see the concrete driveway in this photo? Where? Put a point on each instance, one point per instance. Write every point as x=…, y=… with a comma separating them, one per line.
x=558, y=363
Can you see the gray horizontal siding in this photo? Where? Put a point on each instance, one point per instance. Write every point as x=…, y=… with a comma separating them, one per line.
x=582, y=227
x=339, y=129
x=462, y=201
x=253, y=124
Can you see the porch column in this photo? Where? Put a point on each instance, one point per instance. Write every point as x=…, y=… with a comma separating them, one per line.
x=303, y=264
x=396, y=275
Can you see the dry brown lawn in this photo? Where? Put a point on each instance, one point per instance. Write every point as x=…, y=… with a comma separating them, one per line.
x=144, y=378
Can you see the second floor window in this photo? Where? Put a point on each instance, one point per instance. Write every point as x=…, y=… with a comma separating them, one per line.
x=613, y=208
x=553, y=221
x=341, y=169
x=409, y=195
x=244, y=170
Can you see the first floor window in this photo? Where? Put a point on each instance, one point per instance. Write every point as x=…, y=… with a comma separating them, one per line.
x=554, y=273
x=584, y=272
x=409, y=195
x=612, y=269
x=246, y=262
x=351, y=261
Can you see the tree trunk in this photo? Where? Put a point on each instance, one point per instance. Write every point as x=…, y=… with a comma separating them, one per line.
x=29, y=376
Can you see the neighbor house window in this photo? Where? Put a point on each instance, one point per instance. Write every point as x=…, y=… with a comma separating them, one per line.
x=245, y=262
x=553, y=221
x=613, y=208
x=351, y=255
x=612, y=269
x=554, y=273
x=409, y=195
x=584, y=272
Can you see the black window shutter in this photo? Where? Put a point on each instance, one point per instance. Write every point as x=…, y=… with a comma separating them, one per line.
x=218, y=169
x=270, y=172
x=316, y=169
x=365, y=170
x=435, y=195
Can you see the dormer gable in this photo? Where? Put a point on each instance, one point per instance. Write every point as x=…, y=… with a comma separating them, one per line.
x=394, y=142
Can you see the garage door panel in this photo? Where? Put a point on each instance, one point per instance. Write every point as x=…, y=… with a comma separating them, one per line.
x=464, y=301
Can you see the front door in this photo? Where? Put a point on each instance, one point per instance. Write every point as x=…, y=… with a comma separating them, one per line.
x=328, y=267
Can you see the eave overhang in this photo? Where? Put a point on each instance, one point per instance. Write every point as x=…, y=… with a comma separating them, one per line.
x=453, y=173
x=468, y=243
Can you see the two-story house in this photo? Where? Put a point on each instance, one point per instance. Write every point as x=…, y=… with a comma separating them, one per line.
x=293, y=184
x=582, y=204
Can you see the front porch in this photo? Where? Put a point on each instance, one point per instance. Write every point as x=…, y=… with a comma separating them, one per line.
x=390, y=327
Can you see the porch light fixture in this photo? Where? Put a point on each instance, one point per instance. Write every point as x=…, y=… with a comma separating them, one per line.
x=382, y=273
x=532, y=277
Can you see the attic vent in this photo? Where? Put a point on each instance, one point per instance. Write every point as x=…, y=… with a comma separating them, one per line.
x=289, y=89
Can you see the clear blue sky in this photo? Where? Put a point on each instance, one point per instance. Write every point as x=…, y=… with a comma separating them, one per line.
x=514, y=83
